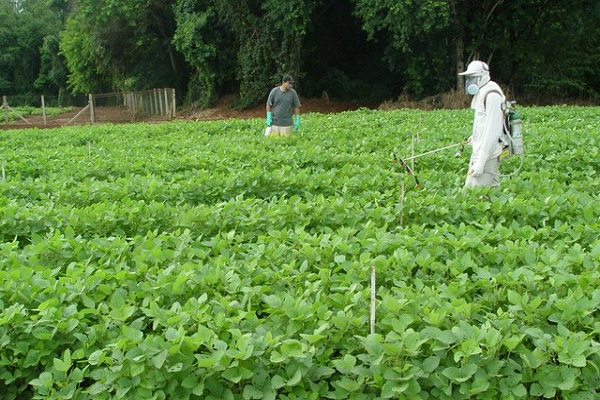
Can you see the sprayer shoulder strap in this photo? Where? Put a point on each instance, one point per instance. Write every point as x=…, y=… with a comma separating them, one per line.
x=487, y=94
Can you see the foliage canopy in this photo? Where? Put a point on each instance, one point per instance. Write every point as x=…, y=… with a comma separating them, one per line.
x=543, y=51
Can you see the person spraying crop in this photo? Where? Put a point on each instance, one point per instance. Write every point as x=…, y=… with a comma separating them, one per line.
x=496, y=134
x=488, y=128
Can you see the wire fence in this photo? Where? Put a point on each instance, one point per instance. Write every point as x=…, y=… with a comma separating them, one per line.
x=117, y=107
x=56, y=101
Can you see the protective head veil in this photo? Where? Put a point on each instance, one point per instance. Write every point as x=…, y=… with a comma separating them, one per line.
x=476, y=75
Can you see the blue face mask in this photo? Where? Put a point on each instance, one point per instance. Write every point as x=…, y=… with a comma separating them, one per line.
x=471, y=86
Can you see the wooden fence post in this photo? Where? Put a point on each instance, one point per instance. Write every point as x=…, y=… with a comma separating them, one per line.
x=92, y=111
x=44, y=111
x=173, y=105
x=163, y=102
x=155, y=102
x=5, y=106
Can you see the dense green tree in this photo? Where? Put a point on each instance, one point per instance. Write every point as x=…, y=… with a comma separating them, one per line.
x=271, y=38
x=420, y=38
x=121, y=45
x=549, y=50
x=53, y=70
x=207, y=43
x=25, y=25
x=537, y=46
x=245, y=44
x=340, y=63
x=347, y=49
x=8, y=17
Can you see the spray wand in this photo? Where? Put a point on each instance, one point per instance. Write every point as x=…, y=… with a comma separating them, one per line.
x=404, y=165
x=458, y=153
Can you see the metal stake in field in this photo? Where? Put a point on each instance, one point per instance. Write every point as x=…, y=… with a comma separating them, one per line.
x=402, y=196
x=373, y=288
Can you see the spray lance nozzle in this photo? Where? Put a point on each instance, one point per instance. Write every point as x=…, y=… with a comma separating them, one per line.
x=405, y=167
x=459, y=151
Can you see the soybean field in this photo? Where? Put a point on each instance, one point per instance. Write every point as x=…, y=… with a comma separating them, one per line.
x=202, y=260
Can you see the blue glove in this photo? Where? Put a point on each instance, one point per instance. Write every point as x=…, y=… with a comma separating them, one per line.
x=269, y=118
x=297, y=121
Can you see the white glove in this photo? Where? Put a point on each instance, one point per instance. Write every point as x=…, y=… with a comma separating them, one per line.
x=476, y=170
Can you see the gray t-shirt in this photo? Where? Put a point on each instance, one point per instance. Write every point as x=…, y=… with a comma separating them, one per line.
x=282, y=106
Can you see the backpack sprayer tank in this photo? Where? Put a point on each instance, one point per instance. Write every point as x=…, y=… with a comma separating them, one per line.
x=513, y=135
x=515, y=132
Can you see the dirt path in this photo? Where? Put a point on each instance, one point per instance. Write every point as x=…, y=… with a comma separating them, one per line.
x=222, y=110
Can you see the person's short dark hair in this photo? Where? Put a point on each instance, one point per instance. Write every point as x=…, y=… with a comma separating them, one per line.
x=288, y=78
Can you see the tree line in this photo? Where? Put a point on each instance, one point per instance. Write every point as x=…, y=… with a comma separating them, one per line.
x=354, y=50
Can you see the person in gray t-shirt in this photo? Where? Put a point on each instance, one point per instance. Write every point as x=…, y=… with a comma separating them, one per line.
x=283, y=108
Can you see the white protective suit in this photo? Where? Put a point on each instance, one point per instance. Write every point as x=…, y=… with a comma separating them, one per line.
x=487, y=131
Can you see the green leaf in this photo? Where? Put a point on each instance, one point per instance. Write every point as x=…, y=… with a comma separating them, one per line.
x=232, y=374
x=349, y=385
x=159, y=360
x=45, y=380
x=132, y=334
x=461, y=374
x=42, y=334
x=277, y=382
x=392, y=389
x=206, y=362
x=567, y=378
x=251, y=392
x=323, y=372
x=345, y=364
x=533, y=359
x=446, y=337
x=276, y=357
x=511, y=341
x=96, y=358
x=589, y=214
x=63, y=365
x=175, y=367
x=577, y=360
x=117, y=301
x=136, y=368
x=172, y=334
x=295, y=379
x=430, y=364
x=538, y=390
x=292, y=348
x=514, y=298
x=70, y=310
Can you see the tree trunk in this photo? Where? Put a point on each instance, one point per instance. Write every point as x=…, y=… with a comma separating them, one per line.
x=460, y=64
x=459, y=43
